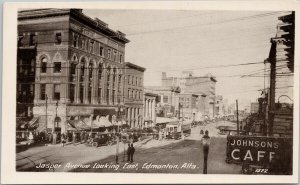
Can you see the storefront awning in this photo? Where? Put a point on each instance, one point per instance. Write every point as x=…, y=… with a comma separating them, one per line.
x=78, y=124
x=25, y=123
x=101, y=122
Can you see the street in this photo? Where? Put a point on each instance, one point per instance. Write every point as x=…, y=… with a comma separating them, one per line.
x=168, y=156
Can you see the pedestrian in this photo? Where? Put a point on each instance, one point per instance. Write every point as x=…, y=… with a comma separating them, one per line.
x=63, y=139
x=205, y=143
x=86, y=136
x=132, y=150
x=74, y=138
x=30, y=138
x=50, y=137
x=54, y=137
x=128, y=152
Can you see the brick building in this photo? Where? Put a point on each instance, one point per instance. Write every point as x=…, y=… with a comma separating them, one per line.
x=134, y=94
x=201, y=85
x=78, y=64
x=189, y=105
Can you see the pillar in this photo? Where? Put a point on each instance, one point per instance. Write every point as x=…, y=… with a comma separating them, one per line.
x=86, y=78
x=153, y=110
x=77, y=85
x=95, y=86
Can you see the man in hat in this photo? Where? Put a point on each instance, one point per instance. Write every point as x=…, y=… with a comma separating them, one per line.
x=205, y=143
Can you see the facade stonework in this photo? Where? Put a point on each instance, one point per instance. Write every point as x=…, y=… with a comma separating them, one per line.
x=134, y=94
x=79, y=66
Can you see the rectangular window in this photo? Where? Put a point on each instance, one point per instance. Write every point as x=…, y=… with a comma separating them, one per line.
x=57, y=67
x=81, y=88
x=32, y=66
x=101, y=51
x=82, y=43
x=115, y=56
x=43, y=91
x=99, y=95
x=91, y=46
x=109, y=54
x=44, y=67
x=129, y=94
x=107, y=96
x=58, y=38
x=128, y=79
x=165, y=99
x=121, y=56
x=75, y=40
x=72, y=93
x=56, y=92
x=20, y=40
x=32, y=39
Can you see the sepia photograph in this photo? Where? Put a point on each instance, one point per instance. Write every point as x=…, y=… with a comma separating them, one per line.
x=154, y=91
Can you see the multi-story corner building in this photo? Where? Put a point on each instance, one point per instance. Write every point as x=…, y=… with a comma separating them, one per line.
x=134, y=94
x=204, y=85
x=78, y=64
x=150, y=103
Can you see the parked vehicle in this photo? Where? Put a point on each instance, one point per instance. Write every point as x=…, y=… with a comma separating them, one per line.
x=101, y=140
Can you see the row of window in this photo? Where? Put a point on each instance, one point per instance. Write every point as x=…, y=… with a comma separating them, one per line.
x=44, y=67
x=33, y=39
x=56, y=92
x=26, y=67
x=182, y=99
x=95, y=47
x=132, y=80
x=134, y=94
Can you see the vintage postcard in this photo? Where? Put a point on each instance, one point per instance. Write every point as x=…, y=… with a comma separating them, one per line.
x=150, y=92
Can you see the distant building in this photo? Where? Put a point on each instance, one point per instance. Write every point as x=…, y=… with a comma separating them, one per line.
x=219, y=106
x=72, y=64
x=189, y=105
x=168, y=104
x=204, y=85
x=150, y=108
x=134, y=94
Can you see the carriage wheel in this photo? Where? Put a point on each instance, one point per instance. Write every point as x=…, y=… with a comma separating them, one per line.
x=95, y=144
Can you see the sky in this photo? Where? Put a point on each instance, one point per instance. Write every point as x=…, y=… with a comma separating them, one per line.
x=175, y=40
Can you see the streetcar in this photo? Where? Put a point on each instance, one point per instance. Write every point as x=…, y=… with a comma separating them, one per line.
x=175, y=129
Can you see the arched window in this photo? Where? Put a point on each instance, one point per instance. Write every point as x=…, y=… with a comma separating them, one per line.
x=44, y=62
x=81, y=79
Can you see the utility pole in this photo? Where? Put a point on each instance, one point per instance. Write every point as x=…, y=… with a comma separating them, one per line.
x=237, y=117
x=272, y=60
